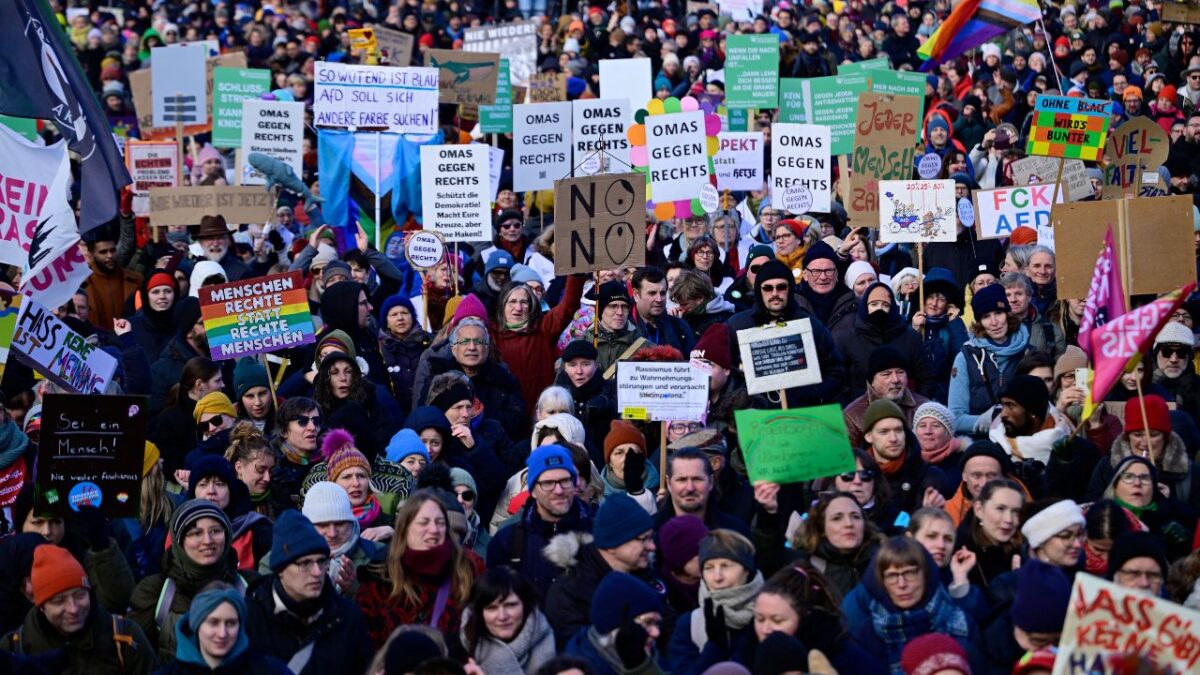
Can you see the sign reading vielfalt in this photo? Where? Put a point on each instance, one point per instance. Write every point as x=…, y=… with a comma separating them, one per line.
x=264, y=314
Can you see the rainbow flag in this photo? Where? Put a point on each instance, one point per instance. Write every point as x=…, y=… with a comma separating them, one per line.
x=972, y=23
x=259, y=315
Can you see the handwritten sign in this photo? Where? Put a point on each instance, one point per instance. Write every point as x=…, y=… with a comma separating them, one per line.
x=1064, y=126
x=396, y=47
x=600, y=223
x=791, y=446
x=547, y=88
x=10, y=309
x=187, y=205
x=403, y=100
x=1034, y=170
x=152, y=164
x=467, y=78
x=739, y=161
x=658, y=392
x=800, y=158
x=917, y=211
x=516, y=41
x=1138, y=146
x=779, y=356
x=46, y=344
x=1003, y=210
x=885, y=140
x=265, y=314
x=455, y=194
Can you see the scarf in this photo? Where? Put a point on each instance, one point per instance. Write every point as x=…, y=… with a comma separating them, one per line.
x=514, y=248
x=936, y=455
x=294, y=456
x=794, y=260
x=1093, y=564
x=1136, y=510
x=369, y=512
x=305, y=609
x=896, y=627
x=822, y=305
x=13, y=441
x=738, y=603
x=531, y=647
x=518, y=326
x=428, y=563
x=892, y=466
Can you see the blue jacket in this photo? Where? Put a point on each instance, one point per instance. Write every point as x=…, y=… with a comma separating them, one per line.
x=685, y=658
x=965, y=388
x=529, y=559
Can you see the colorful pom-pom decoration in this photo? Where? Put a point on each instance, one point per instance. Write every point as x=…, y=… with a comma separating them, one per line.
x=639, y=153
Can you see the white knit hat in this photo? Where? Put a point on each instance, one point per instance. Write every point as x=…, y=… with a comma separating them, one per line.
x=937, y=411
x=1175, y=333
x=327, y=502
x=1052, y=520
x=856, y=270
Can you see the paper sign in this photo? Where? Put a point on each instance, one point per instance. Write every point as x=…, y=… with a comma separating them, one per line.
x=1179, y=12
x=187, y=205
x=1003, y=210
x=930, y=166
x=140, y=88
x=885, y=139
x=516, y=41
x=231, y=86
x=495, y=168
x=46, y=344
x=793, y=446
x=468, y=78
x=678, y=154
x=599, y=223
x=264, y=314
x=404, y=100
x=917, y=211
x=56, y=283
x=628, y=79
x=396, y=47
x=424, y=249
x=1140, y=142
x=541, y=145
x=600, y=120
x=497, y=119
x=90, y=454
x=276, y=129
x=151, y=164
x=966, y=212
x=178, y=85
x=455, y=196
x=741, y=10
x=662, y=391
x=1075, y=182
x=779, y=356
x=796, y=199
x=828, y=101
x=1065, y=126
x=752, y=71
x=739, y=161
x=547, y=88
x=710, y=199
x=800, y=157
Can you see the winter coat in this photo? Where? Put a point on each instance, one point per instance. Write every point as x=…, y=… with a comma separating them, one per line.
x=1044, y=336
x=247, y=663
x=915, y=475
x=526, y=652
x=670, y=331
x=961, y=256
x=339, y=631
x=588, y=645
x=941, y=344
x=532, y=353
x=95, y=650
x=174, y=432
x=611, y=346
x=107, y=293
x=401, y=357
x=384, y=612
x=856, y=410
x=339, y=311
x=522, y=541
x=691, y=651
x=1175, y=469
x=167, y=370
x=841, y=311
x=187, y=579
x=595, y=408
x=499, y=391
x=843, y=570
x=971, y=393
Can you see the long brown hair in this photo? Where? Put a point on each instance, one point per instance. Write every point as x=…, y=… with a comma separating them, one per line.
x=975, y=524
x=812, y=532
x=461, y=573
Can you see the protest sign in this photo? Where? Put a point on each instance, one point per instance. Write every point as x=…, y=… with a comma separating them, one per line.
x=56, y=283
x=1000, y=211
x=264, y=314
x=424, y=249
x=1065, y=126
x=90, y=454
x=541, y=145
x=363, y=45
x=626, y=78
x=178, y=85
x=404, y=100
x=739, y=160
x=899, y=82
x=752, y=71
x=468, y=78
x=455, y=196
x=497, y=119
x=395, y=47
x=1075, y=182
x=37, y=223
x=885, y=139
x=515, y=41
x=800, y=157
x=1180, y=12
x=46, y=344
x=661, y=391
x=1134, y=149
x=231, y=86
x=10, y=308
x=597, y=122
x=792, y=446
x=741, y=10
x=779, y=356
x=187, y=205
x=276, y=129
x=678, y=154
x=917, y=211
x=547, y=88
x=140, y=87
x=1106, y=622
x=495, y=168
x=828, y=101
x=599, y=223
x=867, y=67
x=151, y=164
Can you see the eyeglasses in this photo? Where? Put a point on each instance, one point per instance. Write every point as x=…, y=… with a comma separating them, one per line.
x=832, y=271
x=212, y=533
x=784, y=235
x=471, y=341
x=908, y=575
x=684, y=427
x=467, y=496
x=1072, y=534
x=320, y=564
x=563, y=484
x=305, y=420
x=1148, y=575
x=865, y=475
x=213, y=422
x=1138, y=478
x=706, y=252
x=1170, y=352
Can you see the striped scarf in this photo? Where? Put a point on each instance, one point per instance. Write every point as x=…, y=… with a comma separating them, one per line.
x=896, y=628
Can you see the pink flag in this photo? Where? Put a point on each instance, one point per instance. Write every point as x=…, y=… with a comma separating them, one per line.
x=1106, y=295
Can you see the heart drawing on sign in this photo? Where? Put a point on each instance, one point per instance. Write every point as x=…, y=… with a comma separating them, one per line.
x=618, y=242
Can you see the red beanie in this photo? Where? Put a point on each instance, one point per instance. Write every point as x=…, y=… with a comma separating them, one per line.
x=714, y=346
x=1158, y=418
x=1167, y=93
x=622, y=433
x=1022, y=236
x=160, y=279
x=55, y=570
x=934, y=653
x=798, y=228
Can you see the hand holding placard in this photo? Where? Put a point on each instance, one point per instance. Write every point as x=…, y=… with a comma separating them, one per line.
x=790, y=446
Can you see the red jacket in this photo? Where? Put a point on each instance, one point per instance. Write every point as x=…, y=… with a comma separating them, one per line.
x=531, y=355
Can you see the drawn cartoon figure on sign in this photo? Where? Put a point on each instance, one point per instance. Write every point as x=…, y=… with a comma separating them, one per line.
x=464, y=71
x=908, y=218
x=917, y=211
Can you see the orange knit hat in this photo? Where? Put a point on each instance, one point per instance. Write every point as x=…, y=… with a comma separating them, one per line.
x=1023, y=235
x=622, y=433
x=55, y=570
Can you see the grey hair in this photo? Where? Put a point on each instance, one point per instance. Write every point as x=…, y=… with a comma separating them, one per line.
x=1038, y=248
x=1021, y=255
x=1014, y=279
x=556, y=397
x=470, y=321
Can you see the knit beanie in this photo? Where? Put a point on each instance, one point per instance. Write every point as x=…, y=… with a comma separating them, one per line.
x=334, y=338
x=619, y=520
x=1071, y=359
x=460, y=476
x=990, y=298
x=327, y=502
x=622, y=433
x=1023, y=236
x=610, y=292
x=885, y=357
x=620, y=597
x=1036, y=662
x=524, y=274
x=987, y=449
x=882, y=409
x=391, y=303
x=937, y=411
x=1043, y=593
x=325, y=255
x=248, y=373
x=939, y=122
x=404, y=443
x=740, y=552
x=210, y=466
x=856, y=270
x=212, y=403
x=1030, y=392
x=714, y=346
x=55, y=570
x=1175, y=333
x=334, y=440
x=294, y=537
x=1158, y=417
x=549, y=457
x=1050, y=521
x=579, y=349
x=335, y=268
x=780, y=653
x=469, y=306
x=1130, y=545
x=159, y=278
x=819, y=251
x=934, y=653
x=193, y=510
x=344, y=459
x=150, y=457
x=759, y=251
x=679, y=540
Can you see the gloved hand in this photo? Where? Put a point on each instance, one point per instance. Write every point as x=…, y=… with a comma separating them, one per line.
x=983, y=423
x=714, y=625
x=631, y=644
x=93, y=527
x=819, y=630
x=635, y=470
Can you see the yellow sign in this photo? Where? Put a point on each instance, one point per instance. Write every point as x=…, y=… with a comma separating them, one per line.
x=362, y=40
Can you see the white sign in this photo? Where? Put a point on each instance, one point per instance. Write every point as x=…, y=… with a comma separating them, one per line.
x=424, y=250
x=178, y=84
x=741, y=10
x=541, y=145
x=710, y=199
x=405, y=100
x=56, y=283
x=37, y=223
x=454, y=191
x=776, y=357
x=516, y=41
x=739, y=160
x=274, y=128
x=1000, y=211
x=495, y=168
x=49, y=346
x=800, y=156
x=678, y=156
x=1034, y=170
x=661, y=391
x=151, y=164
x=629, y=79
x=598, y=122
x=797, y=199
x=917, y=211
x=929, y=166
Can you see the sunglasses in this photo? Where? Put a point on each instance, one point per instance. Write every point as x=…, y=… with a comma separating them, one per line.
x=755, y=268
x=865, y=475
x=1171, y=352
x=213, y=422
x=467, y=496
x=304, y=420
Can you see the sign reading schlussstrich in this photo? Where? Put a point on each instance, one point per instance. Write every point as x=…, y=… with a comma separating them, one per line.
x=274, y=128
x=455, y=192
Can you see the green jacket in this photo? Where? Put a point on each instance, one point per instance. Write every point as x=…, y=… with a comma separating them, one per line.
x=96, y=650
x=610, y=346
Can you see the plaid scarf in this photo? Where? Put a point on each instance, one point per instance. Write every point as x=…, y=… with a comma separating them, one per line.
x=896, y=628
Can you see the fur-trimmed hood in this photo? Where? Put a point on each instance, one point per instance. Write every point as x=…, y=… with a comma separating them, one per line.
x=1174, y=459
x=563, y=549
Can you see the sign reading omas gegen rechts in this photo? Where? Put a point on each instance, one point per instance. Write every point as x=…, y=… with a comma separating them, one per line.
x=455, y=194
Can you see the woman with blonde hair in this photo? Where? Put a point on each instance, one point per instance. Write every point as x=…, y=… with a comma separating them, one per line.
x=143, y=539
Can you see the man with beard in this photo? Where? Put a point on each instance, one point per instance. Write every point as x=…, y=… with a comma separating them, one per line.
x=887, y=377
x=650, y=300
x=690, y=489
x=913, y=482
x=1173, y=350
x=1044, y=336
x=216, y=245
x=618, y=337
x=109, y=284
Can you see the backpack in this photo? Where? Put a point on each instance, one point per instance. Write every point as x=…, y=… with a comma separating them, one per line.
x=121, y=634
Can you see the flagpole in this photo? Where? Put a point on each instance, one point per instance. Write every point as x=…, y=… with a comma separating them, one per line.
x=378, y=225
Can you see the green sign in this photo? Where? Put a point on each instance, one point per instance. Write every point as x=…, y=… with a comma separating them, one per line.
x=752, y=71
x=231, y=86
x=497, y=119
x=868, y=66
x=25, y=126
x=738, y=118
x=831, y=101
x=792, y=446
x=902, y=83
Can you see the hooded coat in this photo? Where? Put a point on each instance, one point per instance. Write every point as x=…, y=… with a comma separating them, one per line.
x=339, y=311
x=872, y=330
x=153, y=329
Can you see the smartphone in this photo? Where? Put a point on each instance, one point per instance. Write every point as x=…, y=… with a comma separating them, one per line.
x=1081, y=377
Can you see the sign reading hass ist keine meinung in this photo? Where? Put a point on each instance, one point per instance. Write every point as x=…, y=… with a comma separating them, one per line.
x=265, y=314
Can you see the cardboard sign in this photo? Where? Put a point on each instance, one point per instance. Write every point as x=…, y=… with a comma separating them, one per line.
x=915, y=211
x=1065, y=126
x=600, y=121
x=90, y=454
x=395, y=47
x=658, y=391
x=599, y=223
x=779, y=356
x=1179, y=12
x=140, y=87
x=1075, y=182
x=739, y=161
x=403, y=100
x=899, y=82
x=264, y=314
x=541, y=145
x=1106, y=621
x=827, y=101
x=516, y=41
x=467, y=78
x=547, y=88
x=1003, y=210
x=793, y=446
x=187, y=205
x=274, y=128
x=752, y=71
x=455, y=197
x=46, y=344
x=628, y=79
x=497, y=119
x=885, y=140
x=152, y=164
x=231, y=86
x=800, y=157
x=678, y=154
x=178, y=85
x=1137, y=144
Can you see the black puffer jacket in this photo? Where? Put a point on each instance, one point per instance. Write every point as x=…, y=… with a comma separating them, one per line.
x=497, y=388
x=595, y=407
x=862, y=336
x=401, y=357
x=339, y=630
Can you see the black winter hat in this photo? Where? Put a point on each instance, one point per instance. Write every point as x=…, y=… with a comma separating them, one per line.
x=987, y=449
x=1030, y=392
x=610, y=292
x=818, y=251
x=579, y=349
x=780, y=653
x=772, y=269
x=1131, y=545
x=884, y=358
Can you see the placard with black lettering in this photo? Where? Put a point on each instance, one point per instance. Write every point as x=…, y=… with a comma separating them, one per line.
x=779, y=356
x=455, y=191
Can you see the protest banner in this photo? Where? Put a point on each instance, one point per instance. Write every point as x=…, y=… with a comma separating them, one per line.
x=515, y=41
x=495, y=168
x=1134, y=149
x=661, y=391
x=828, y=101
x=231, y=86
x=178, y=85
x=752, y=71
x=866, y=67
x=90, y=454
x=363, y=45
x=779, y=356
x=800, y=157
x=679, y=161
x=917, y=211
x=467, y=78
x=403, y=100
x=1106, y=624
x=601, y=124
x=793, y=446
x=739, y=160
x=455, y=196
x=541, y=145
x=46, y=344
x=628, y=79
x=395, y=47
x=424, y=249
x=497, y=118
x=56, y=283
x=140, y=87
x=885, y=140
x=547, y=88
x=1180, y=12
x=259, y=315
x=1000, y=211
x=276, y=129
x=37, y=223
x=1069, y=127
x=1075, y=182
x=599, y=223
x=187, y=205
x=151, y=164
x=899, y=82
x=10, y=308
x=694, y=6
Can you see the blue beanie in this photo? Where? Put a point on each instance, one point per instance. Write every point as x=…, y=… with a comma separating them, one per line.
x=546, y=458
x=619, y=520
x=990, y=298
x=406, y=442
x=203, y=604
x=618, y=598
x=248, y=373
x=937, y=121
x=1043, y=593
x=498, y=259
x=396, y=300
x=294, y=537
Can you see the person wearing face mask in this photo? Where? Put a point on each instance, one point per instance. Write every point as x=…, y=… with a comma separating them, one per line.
x=1174, y=347
x=987, y=363
x=625, y=620
x=153, y=325
x=879, y=324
